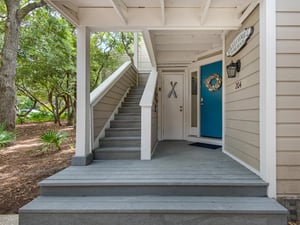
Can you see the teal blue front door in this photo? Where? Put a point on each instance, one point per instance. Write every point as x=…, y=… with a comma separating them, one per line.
x=211, y=100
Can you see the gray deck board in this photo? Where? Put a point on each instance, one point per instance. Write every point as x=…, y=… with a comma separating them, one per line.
x=154, y=204
x=173, y=163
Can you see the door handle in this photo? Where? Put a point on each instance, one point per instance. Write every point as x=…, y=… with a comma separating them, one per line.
x=181, y=108
x=201, y=101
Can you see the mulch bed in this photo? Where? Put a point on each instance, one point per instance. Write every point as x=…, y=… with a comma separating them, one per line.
x=22, y=166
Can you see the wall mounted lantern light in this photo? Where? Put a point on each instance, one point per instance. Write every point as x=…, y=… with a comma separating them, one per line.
x=232, y=68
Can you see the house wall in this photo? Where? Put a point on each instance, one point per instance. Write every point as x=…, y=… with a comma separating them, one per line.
x=144, y=63
x=242, y=104
x=288, y=97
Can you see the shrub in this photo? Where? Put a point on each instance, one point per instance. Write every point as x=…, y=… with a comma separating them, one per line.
x=52, y=139
x=6, y=137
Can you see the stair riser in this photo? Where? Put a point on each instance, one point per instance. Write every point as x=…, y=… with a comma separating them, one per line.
x=125, y=124
x=136, y=92
x=162, y=218
x=139, y=190
x=120, y=117
x=131, y=104
x=135, y=133
x=133, y=100
x=123, y=143
x=122, y=155
x=130, y=110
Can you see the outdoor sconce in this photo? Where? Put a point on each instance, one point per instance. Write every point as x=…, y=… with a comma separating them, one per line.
x=232, y=68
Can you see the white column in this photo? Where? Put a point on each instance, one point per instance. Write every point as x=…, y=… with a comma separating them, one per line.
x=268, y=94
x=136, y=50
x=83, y=122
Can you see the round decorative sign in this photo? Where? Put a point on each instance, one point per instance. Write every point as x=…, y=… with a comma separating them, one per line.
x=213, y=82
x=239, y=41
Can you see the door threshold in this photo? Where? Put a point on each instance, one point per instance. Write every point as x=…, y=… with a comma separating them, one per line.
x=206, y=140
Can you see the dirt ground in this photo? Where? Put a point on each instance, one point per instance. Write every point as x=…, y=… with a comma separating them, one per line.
x=22, y=166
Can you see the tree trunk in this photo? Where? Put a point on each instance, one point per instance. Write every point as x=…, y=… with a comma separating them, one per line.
x=8, y=65
x=8, y=59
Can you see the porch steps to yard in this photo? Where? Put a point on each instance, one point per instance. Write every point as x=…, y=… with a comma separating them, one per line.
x=152, y=210
x=183, y=184
x=123, y=139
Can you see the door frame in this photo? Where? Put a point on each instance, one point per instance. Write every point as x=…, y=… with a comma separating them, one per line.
x=191, y=68
x=160, y=111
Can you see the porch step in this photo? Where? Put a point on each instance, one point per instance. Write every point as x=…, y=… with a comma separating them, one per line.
x=113, y=153
x=149, y=210
x=130, y=184
x=126, y=123
x=120, y=142
x=123, y=132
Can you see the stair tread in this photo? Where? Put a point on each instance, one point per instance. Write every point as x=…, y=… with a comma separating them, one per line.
x=154, y=204
x=122, y=138
x=123, y=120
x=118, y=149
x=123, y=129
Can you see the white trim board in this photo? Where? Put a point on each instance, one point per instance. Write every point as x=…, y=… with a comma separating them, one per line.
x=267, y=90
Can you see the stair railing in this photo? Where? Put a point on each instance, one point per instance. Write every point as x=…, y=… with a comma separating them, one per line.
x=148, y=105
x=108, y=97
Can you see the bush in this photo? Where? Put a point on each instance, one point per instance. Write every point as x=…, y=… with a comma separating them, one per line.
x=53, y=140
x=6, y=137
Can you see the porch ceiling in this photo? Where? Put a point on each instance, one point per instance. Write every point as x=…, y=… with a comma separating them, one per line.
x=182, y=47
x=176, y=32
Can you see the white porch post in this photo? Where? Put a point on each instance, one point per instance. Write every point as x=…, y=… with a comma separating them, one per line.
x=83, y=154
x=146, y=128
x=268, y=94
x=136, y=50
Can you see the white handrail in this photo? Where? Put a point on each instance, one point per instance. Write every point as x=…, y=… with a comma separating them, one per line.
x=148, y=95
x=146, y=122
x=103, y=88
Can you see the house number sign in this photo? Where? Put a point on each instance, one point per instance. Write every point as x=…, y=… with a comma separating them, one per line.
x=239, y=41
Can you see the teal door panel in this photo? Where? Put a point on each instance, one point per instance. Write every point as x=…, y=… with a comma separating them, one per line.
x=211, y=100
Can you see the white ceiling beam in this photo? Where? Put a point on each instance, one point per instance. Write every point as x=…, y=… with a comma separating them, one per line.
x=163, y=14
x=150, y=47
x=183, y=47
x=249, y=10
x=204, y=11
x=121, y=9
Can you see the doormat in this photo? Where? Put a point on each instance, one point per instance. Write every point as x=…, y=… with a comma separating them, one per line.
x=203, y=145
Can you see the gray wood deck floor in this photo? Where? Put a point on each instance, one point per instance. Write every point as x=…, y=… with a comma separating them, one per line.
x=174, y=162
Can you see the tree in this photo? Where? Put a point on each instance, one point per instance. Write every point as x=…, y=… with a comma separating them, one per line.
x=46, y=62
x=108, y=52
x=15, y=13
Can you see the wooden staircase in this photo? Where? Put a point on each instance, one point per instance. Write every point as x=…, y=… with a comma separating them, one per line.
x=182, y=185
x=123, y=138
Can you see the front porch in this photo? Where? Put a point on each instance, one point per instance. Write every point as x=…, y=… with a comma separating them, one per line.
x=183, y=184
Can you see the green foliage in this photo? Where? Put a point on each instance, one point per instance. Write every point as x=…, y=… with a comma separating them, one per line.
x=52, y=140
x=6, y=137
